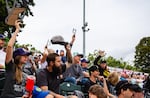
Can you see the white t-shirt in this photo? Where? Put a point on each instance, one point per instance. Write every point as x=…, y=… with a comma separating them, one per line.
x=43, y=65
x=2, y=57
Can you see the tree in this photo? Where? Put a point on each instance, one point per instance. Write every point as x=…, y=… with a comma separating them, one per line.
x=111, y=61
x=4, y=28
x=28, y=47
x=142, y=55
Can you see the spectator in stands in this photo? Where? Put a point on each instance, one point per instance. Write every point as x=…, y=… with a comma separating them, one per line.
x=93, y=79
x=84, y=65
x=133, y=78
x=37, y=60
x=112, y=80
x=50, y=77
x=2, y=61
x=106, y=89
x=96, y=91
x=62, y=52
x=63, y=57
x=2, y=52
x=43, y=62
x=30, y=67
x=124, y=89
x=74, y=73
x=137, y=91
x=103, y=64
x=15, y=78
x=146, y=86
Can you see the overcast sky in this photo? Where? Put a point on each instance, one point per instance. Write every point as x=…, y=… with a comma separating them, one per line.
x=116, y=26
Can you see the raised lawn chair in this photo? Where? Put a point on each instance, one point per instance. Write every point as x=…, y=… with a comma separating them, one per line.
x=14, y=12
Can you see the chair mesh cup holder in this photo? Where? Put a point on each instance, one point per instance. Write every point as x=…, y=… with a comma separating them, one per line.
x=17, y=11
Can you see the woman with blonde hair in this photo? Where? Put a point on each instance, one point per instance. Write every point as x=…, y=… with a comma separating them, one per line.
x=15, y=84
x=112, y=80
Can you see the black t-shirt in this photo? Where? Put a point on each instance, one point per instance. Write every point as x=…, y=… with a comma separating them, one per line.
x=101, y=70
x=11, y=88
x=88, y=84
x=46, y=78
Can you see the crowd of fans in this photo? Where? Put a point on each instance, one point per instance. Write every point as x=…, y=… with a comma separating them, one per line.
x=50, y=69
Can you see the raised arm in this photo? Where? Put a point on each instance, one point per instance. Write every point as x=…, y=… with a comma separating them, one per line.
x=101, y=54
x=68, y=55
x=96, y=60
x=73, y=39
x=9, y=49
x=45, y=53
x=106, y=89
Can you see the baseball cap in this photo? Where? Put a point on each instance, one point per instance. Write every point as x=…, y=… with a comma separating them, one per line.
x=61, y=50
x=21, y=52
x=85, y=61
x=103, y=61
x=58, y=40
x=78, y=54
x=38, y=93
x=93, y=68
x=2, y=36
x=124, y=84
x=137, y=88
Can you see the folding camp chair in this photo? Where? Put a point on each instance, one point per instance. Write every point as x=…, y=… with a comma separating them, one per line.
x=13, y=12
x=67, y=88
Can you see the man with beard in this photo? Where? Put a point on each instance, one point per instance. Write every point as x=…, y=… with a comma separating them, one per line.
x=50, y=77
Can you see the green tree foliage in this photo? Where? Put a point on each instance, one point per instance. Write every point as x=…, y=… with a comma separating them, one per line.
x=142, y=55
x=92, y=56
x=29, y=47
x=3, y=15
x=4, y=28
x=111, y=61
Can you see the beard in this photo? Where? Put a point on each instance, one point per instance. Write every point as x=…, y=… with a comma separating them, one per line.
x=56, y=70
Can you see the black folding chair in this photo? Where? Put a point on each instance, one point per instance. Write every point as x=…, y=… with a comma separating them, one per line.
x=67, y=88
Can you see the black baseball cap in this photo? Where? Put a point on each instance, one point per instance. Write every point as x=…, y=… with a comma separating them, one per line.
x=85, y=61
x=21, y=52
x=93, y=68
x=103, y=61
x=124, y=84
